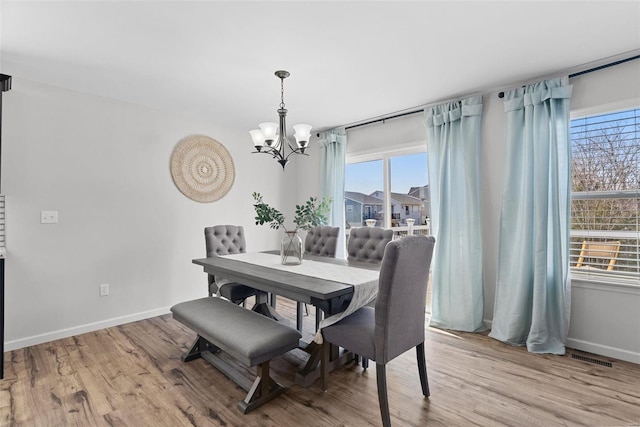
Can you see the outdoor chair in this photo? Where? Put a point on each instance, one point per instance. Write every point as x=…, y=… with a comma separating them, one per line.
x=598, y=255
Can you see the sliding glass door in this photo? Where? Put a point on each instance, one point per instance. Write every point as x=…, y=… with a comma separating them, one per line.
x=390, y=192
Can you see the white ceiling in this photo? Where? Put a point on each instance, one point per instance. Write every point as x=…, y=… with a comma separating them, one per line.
x=349, y=61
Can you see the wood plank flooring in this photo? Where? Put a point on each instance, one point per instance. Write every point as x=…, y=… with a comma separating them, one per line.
x=131, y=375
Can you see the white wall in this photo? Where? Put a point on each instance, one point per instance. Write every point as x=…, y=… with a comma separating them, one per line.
x=104, y=166
x=605, y=319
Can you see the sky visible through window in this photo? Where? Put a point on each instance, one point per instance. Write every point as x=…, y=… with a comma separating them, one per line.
x=406, y=172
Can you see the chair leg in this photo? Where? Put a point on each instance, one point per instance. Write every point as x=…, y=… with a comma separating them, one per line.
x=365, y=363
x=422, y=369
x=381, y=379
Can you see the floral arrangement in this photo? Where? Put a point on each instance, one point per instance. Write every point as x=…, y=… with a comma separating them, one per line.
x=311, y=214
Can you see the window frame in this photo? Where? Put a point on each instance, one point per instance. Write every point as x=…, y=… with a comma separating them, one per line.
x=416, y=147
x=590, y=276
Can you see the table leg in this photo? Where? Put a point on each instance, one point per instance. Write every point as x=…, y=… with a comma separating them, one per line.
x=263, y=307
x=299, y=307
x=310, y=372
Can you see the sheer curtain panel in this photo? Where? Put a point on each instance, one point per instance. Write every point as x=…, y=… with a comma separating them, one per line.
x=532, y=290
x=453, y=152
x=333, y=144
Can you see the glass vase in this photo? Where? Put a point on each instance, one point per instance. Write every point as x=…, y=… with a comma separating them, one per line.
x=291, y=249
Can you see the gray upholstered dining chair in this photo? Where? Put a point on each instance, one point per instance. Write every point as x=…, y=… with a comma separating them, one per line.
x=226, y=240
x=396, y=324
x=320, y=241
x=366, y=244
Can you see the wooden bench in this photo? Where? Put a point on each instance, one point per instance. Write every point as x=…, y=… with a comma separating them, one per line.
x=247, y=336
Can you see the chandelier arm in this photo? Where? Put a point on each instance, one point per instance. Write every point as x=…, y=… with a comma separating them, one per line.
x=291, y=146
x=271, y=151
x=296, y=151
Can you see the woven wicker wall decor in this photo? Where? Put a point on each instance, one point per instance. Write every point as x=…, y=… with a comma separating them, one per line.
x=202, y=168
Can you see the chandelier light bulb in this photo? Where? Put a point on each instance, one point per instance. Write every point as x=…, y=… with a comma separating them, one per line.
x=269, y=130
x=258, y=138
x=302, y=135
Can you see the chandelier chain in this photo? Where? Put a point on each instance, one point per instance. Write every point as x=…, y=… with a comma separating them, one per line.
x=281, y=93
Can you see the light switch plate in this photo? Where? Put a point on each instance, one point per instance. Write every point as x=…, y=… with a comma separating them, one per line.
x=48, y=217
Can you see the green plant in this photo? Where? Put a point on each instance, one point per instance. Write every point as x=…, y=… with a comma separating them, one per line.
x=311, y=214
x=267, y=214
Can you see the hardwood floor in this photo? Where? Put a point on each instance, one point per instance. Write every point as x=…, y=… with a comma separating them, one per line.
x=131, y=375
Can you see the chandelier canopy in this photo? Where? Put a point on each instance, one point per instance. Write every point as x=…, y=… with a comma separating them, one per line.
x=272, y=139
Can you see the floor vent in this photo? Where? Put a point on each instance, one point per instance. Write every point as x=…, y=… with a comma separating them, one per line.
x=592, y=360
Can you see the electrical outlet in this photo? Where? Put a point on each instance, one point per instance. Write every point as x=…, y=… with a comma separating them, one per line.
x=104, y=289
x=48, y=217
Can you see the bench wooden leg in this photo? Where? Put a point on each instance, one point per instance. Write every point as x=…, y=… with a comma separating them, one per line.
x=263, y=389
x=196, y=349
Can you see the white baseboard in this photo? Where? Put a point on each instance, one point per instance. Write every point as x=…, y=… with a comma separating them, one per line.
x=597, y=349
x=82, y=329
x=603, y=350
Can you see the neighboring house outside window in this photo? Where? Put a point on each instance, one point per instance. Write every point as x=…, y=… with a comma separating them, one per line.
x=360, y=207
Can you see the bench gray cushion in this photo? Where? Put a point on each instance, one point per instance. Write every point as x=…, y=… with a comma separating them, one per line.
x=242, y=333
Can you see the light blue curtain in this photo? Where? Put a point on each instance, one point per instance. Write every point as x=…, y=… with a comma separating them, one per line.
x=533, y=286
x=453, y=152
x=333, y=144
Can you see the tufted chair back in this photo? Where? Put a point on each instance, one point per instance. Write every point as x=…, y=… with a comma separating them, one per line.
x=366, y=244
x=322, y=241
x=224, y=240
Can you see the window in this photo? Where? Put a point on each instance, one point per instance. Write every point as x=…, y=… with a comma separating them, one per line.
x=397, y=184
x=363, y=182
x=605, y=198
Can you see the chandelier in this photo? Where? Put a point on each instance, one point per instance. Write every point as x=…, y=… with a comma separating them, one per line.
x=272, y=139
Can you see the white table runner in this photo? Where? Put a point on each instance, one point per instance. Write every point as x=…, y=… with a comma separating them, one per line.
x=364, y=282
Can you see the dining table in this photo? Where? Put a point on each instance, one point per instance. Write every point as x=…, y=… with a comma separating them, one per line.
x=336, y=286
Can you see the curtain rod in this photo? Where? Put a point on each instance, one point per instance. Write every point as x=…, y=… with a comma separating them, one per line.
x=591, y=70
x=382, y=119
